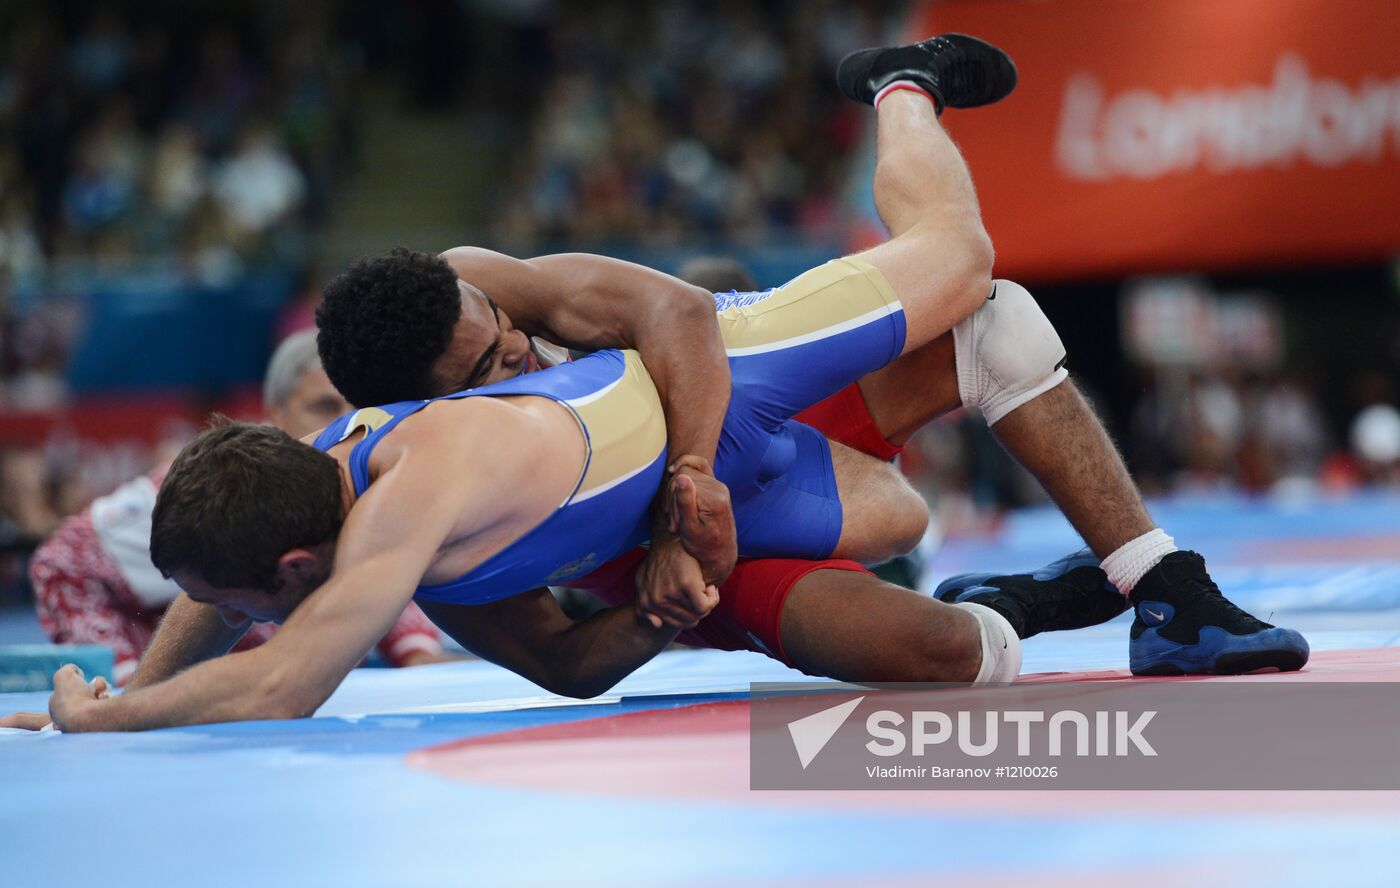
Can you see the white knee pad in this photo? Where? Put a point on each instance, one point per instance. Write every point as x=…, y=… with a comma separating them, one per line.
x=1007, y=352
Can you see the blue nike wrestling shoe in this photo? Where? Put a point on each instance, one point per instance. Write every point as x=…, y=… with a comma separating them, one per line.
x=957, y=70
x=1184, y=626
x=1070, y=593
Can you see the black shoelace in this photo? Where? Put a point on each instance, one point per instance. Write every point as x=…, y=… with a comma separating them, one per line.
x=1210, y=606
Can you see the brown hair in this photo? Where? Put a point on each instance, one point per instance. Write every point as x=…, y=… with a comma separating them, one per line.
x=237, y=498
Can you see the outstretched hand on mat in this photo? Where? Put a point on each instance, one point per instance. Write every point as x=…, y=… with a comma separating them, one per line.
x=73, y=695
x=70, y=679
x=28, y=721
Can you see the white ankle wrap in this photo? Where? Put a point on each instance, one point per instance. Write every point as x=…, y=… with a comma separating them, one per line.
x=1131, y=561
x=1001, y=649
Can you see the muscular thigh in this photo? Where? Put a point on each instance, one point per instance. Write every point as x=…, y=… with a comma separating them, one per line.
x=801, y=343
x=938, y=279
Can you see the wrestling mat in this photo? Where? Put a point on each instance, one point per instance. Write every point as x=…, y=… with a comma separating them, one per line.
x=463, y=774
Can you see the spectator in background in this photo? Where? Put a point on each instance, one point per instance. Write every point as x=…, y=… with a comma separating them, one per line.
x=25, y=510
x=93, y=579
x=199, y=147
x=32, y=352
x=178, y=177
x=1285, y=436
x=259, y=187
x=1374, y=457
x=717, y=274
x=113, y=133
x=26, y=515
x=659, y=123
x=1375, y=440
x=1225, y=429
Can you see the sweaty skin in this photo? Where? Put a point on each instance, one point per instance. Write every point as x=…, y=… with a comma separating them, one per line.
x=918, y=184
x=607, y=303
x=414, y=522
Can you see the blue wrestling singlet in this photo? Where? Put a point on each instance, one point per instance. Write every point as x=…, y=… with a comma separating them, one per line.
x=616, y=406
x=788, y=349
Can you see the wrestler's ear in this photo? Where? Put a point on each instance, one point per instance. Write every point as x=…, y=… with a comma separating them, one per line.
x=296, y=569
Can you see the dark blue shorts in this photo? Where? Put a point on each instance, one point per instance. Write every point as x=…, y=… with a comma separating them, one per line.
x=790, y=348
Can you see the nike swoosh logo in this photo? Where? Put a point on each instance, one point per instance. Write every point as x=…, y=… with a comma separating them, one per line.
x=994, y=293
x=1155, y=615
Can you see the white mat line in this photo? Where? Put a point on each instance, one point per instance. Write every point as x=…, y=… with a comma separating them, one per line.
x=544, y=702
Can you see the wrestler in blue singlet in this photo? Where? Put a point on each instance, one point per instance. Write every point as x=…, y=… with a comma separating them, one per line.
x=788, y=349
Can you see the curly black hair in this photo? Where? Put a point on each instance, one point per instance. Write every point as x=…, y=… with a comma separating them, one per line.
x=382, y=323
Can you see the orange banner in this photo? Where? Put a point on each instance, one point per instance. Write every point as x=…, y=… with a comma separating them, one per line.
x=1159, y=135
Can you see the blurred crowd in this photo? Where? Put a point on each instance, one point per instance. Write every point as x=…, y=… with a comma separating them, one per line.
x=676, y=122
x=213, y=139
x=133, y=137
x=1261, y=432
x=121, y=136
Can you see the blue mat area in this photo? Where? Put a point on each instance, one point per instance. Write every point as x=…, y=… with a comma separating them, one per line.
x=331, y=800
x=1267, y=554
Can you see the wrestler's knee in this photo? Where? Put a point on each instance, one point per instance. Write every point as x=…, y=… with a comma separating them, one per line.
x=960, y=256
x=882, y=516
x=908, y=518
x=947, y=655
x=1007, y=352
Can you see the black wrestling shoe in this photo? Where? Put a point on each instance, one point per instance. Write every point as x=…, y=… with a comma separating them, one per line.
x=1184, y=626
x=957, y=70
x=1071, y=593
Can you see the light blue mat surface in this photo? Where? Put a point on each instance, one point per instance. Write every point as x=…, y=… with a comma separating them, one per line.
x=331, y=801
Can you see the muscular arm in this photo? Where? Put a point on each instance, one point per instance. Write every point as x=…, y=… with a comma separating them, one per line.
x=590, y=302
x=529, y=635
x=189, y=633
x=388, y=541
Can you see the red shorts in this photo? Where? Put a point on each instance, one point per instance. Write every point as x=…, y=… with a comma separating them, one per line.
x=748, y=616
x=750, y=607
x=845, y=417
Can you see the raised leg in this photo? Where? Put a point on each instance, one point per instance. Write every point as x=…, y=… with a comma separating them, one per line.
x=939, y=263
